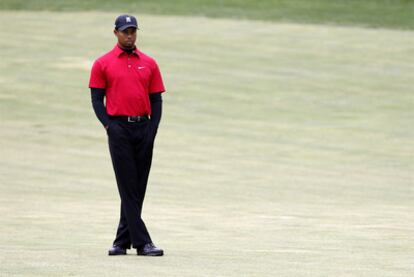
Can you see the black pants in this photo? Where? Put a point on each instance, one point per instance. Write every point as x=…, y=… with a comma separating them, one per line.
x=130, y=145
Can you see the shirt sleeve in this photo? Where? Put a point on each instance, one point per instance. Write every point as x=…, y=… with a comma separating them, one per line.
x=156, y=84
x=97, y=79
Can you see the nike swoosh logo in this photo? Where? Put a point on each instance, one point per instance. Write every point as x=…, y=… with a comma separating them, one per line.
x=141, y=67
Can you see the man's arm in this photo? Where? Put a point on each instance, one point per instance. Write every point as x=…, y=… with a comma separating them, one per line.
x=156, y=111
x=98, y=95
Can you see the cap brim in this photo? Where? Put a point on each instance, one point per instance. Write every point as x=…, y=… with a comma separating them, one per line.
x=128, y=26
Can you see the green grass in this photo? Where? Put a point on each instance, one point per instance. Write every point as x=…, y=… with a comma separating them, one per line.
x=372, y=13
x=284, y=149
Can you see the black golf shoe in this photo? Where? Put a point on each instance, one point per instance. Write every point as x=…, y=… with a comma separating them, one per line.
x=116, y=250
x=150, y=249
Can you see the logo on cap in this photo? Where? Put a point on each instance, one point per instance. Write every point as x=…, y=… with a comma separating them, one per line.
x=128, y=19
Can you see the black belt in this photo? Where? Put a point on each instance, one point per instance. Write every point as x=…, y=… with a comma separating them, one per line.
x=132, y=118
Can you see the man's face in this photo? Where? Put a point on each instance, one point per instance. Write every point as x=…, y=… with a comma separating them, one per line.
x=127, y=37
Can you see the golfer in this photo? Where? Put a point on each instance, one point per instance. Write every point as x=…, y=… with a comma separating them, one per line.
x=132, y=84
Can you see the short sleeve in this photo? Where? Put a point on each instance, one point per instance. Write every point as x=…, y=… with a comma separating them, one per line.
x=156, y=85
x=97, y=78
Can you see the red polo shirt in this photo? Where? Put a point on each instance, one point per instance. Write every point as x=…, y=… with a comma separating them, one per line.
x=128, y=81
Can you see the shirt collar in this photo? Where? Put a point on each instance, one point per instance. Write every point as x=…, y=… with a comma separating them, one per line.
x=118, y=51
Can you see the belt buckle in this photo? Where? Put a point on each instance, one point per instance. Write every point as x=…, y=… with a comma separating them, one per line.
x=138, y=118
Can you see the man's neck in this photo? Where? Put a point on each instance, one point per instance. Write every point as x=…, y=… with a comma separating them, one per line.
x=127, y=50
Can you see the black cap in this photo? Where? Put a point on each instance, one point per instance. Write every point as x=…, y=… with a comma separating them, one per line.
x=125, y=21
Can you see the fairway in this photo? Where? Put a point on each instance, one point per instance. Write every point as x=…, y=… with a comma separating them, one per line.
x=284, y=149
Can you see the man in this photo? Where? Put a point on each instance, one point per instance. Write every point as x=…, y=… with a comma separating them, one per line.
x=132, y=85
